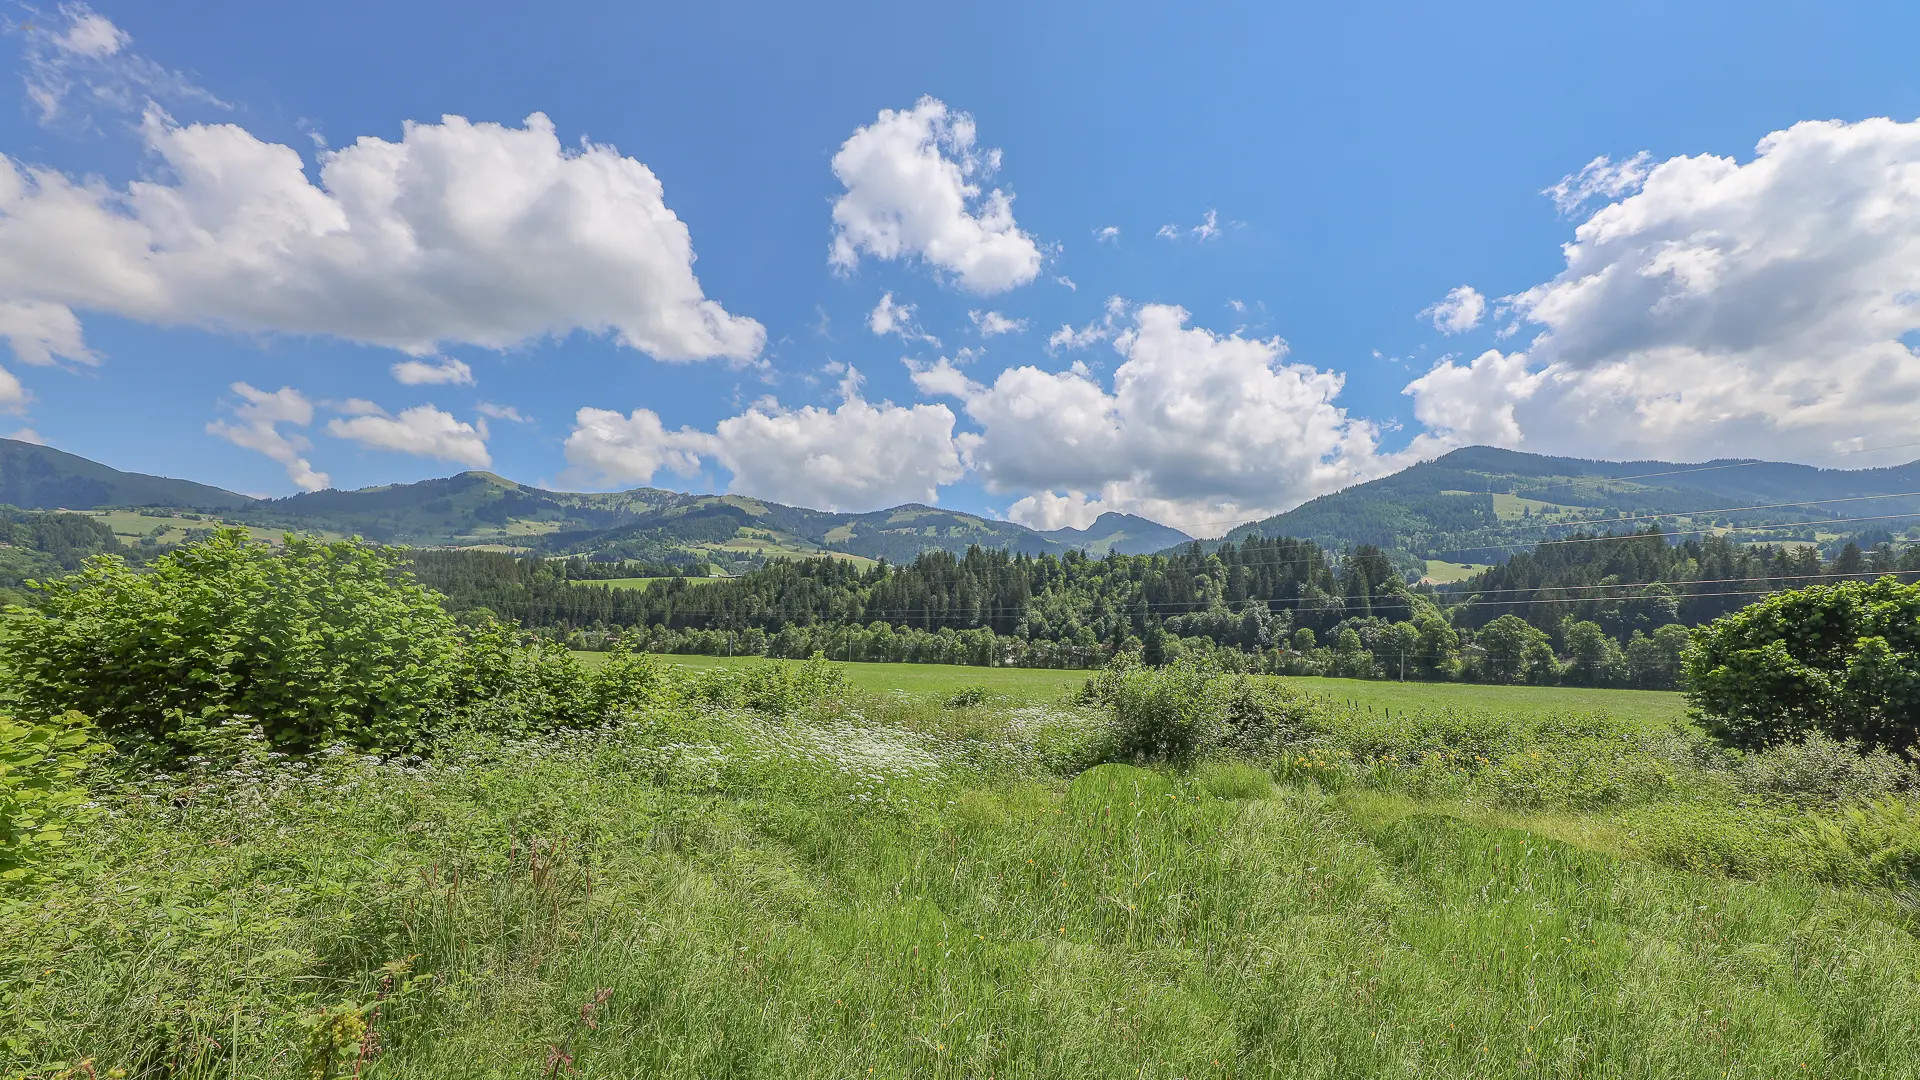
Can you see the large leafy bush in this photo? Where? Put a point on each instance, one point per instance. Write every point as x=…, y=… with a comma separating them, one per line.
x=318, y=642
x=39, y=796
x=1842, y=660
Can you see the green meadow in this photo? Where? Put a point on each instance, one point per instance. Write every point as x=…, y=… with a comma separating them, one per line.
x=641, y=583
x=1046, y=684
x=855, y=881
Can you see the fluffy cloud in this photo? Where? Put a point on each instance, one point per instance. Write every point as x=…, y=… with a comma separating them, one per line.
x=1197, y=429
x=422, y=431
x=857, y=456
x=40, y=332
x=468, y=233
x=1107, y=234
x=1725, y=309
x=422, y=373
x=912, y=192
x=259, y=415
x=891, y=317
x=992, y=323
x=609, y=450
x=1458, y=312
x=1473, y=403
x=13, y=396
x=1102, y=329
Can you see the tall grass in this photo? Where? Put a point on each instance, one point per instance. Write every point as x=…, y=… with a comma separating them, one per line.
x=866, y=886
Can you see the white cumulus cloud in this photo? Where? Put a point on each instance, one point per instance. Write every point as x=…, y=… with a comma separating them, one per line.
x=39, y=332
x=855, y=456
x=259, y=415
x=1458, y=312
x=992, y=323
x=422, y=431
x=890, y=316
x=1724, y=309
x=1068, y=338
x=608, y=449
x=422, y=373
x=913, y=191
x=477, y=234
x=1195, y=428
x=13, y=396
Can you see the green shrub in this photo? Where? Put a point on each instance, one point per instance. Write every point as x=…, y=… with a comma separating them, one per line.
x=1819, y=770
x=968, y=697
x=775, y=688
x=1191, y=709
x=1176, y=713
x=1577, y=774
x=1877, y=843
x=1843, y=660
x=1264, y=717
x=1747, y=841
x=321, y=642
x=39, y=799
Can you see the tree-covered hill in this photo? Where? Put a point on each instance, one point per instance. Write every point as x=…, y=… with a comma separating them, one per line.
x=1480, y=504
x=1120, y=534
x=36, y=477
x=732, y=531
x=1476, y=505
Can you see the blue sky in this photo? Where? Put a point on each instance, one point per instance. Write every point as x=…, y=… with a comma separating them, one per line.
x=1356, y=165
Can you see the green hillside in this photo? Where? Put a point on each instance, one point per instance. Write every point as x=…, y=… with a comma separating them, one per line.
x=1480, y=504
x=35, y=477
x=648, y=524
x=1474, y=506
x=1120, y=534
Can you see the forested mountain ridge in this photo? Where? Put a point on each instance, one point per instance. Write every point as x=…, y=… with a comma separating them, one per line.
x=1475, y=505
x=481, y=508
x=1120, y=534
x=1479, y=504
x=35, y=477
x=732, y=531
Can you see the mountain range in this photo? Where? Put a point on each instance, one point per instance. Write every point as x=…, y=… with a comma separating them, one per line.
x=482, y=509
x=1474, y=505
x=1479, y=504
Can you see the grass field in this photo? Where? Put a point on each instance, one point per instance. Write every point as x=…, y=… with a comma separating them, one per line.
x=1511, y=508
x=1441, y=572
x=932, y=680
x=859, y=885
x=1049, y=685
x=1634, y=705
x=131, y=526
x=643, y=582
